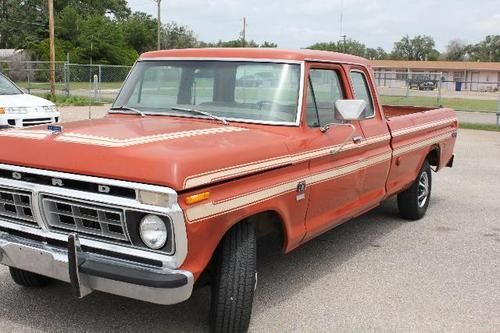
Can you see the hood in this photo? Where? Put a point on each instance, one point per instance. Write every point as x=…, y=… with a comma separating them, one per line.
x=23, y=100
x=174, y=152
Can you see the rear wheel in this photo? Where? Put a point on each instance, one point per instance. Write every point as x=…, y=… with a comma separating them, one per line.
x=28, y=279
x=235, y=280
x=414, y=201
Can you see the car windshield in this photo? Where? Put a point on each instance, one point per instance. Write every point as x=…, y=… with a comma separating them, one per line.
x=231, y=90
x=7, y=87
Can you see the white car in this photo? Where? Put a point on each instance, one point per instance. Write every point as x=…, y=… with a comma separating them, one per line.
x=18, y=109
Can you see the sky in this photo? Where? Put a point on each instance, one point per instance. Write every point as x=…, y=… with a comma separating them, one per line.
x=300, y=23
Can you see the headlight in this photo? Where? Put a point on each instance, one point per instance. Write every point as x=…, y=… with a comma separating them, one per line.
x=49, y=108
x=153, y=232
x=20, y=109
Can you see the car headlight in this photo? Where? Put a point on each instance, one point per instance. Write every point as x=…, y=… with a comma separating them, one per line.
x=49, y=108
x=19, y=109
x=153, y=232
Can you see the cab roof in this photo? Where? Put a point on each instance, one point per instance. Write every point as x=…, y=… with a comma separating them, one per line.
x=255, y=53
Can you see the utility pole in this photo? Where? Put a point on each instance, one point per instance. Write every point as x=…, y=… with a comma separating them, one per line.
x=158, y=44
x=244, y=33
x=52, y=52
x=344, y=38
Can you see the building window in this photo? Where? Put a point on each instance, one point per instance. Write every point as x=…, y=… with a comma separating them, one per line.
x=458, y=76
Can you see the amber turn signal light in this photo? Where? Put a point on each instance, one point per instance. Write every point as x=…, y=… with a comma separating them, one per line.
x=197, y=198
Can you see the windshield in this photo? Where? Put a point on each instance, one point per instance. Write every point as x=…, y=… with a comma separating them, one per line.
x=238, y=91
x=7, y=87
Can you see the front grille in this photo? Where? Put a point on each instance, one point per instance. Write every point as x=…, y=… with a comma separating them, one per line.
x=16, y=206
x=36, y=121
x=85, y=218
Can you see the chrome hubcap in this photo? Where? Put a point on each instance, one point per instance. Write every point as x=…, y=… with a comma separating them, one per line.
x=423, y=189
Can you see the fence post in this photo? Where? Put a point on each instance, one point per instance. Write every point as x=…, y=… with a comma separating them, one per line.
x=498, y=113
x=66, y=79
x=95, y=86
x=440, y=82
x=407, y=83
x=99, y=82
x=28, y=71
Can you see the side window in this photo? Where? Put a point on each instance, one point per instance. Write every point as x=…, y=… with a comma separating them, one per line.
x=362, y=91
x=324, y=90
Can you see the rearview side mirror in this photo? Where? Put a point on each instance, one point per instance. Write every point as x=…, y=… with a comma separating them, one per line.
x=349, y=109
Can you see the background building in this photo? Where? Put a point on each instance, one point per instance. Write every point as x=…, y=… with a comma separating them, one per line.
x=474, y=76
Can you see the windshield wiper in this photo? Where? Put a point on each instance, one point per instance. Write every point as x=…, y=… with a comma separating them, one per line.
x=224, y=121
x=128, y=108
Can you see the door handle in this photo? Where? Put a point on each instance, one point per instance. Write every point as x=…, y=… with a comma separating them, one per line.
x=357, y=139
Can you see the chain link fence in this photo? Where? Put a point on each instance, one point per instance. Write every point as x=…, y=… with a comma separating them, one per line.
x=101, y=83
x=438, y=89
x=98, y=83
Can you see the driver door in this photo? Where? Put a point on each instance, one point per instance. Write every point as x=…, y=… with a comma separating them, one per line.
x=335, y=177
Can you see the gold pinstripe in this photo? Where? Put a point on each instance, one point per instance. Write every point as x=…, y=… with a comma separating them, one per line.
x=409, y=130
x=414, y=146
x=211, y=209
x=111, y=142
x=244, y=169
x=212, y=176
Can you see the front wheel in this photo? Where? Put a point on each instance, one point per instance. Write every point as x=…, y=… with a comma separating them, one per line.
x=28, y=279
x=413, y=202
x=235, y=280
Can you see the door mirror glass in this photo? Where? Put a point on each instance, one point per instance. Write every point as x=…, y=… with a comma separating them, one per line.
x=350, y=109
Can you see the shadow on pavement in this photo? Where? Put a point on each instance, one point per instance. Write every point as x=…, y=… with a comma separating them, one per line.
x=53, y=309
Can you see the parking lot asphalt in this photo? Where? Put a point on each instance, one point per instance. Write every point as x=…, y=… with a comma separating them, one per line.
x=375, y=273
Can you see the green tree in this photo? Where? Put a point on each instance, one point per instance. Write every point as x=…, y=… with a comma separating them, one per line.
x=416, y=48
x=140, y=31
x=376, y=54
x=235, y=43
x=175, y=36
x=23, y=23
x=456, y=50
x=323, y=46
x=102, y=40
x=486, y=50
x=269, y=45
x=115, y=8
x=349, y=46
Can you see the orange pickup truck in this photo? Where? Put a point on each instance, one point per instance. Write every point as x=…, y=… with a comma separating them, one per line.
x=204, y=152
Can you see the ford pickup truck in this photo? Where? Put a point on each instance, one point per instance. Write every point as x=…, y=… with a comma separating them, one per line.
x=175, y=186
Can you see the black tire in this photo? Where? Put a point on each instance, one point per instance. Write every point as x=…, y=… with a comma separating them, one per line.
x=410, y=202
x=28, y=279
x=235, y=280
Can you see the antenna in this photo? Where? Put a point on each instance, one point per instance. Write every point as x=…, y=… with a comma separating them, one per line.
x=341, y=17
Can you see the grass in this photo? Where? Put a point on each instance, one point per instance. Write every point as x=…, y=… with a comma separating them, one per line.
x=60, y=100
x=481, y=127
x=463, y=104
x=72, y=85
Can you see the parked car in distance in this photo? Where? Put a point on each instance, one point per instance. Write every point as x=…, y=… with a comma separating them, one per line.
x=179, y=188
x=18, y=109
x=422, y=83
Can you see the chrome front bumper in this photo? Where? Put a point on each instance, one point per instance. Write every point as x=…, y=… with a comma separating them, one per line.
x=89, y=271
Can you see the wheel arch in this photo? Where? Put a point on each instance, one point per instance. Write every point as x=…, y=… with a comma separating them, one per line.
x=434, y=156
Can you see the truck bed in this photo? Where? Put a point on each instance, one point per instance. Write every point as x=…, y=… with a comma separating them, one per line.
x=418, y=129
x=391, y=111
